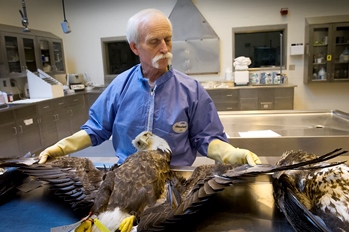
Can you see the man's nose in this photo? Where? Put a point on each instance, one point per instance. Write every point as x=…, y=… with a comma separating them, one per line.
x=164, y=47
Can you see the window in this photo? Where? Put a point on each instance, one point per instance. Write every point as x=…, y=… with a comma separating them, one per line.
x=261, y=44
x=117, y=57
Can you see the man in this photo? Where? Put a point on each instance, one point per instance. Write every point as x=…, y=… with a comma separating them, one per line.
x=155, y=97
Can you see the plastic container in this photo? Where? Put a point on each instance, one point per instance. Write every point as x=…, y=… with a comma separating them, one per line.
x=228, y=74
x=322, y=74
x=10, y=97
x=3, y=99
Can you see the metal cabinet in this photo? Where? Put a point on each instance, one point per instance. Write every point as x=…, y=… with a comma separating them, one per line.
x=19, y=132
x=28, y=129
x=225, y=99
x=9, y=144
x=327, y=50
x=52, y=56
x=283, y=98
x=60, y=118
x=280, y=98
x=248, y=99
x=20, y=51
x=76, y=111
x=19, y=54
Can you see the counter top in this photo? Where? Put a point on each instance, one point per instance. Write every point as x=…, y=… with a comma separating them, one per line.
x=16, y=105
x=251, y=87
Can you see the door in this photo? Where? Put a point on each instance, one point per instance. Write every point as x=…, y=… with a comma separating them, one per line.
x=340, y=58
x=319, y=53
x=20, y=54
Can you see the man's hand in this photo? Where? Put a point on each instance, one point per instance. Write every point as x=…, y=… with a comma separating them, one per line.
x=70, y=144
x=223, y=152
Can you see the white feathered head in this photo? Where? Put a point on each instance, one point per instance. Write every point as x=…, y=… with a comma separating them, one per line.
x=147, y=141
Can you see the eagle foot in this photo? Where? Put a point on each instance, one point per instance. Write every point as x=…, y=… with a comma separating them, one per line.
x=127, y=224
x=85, y=226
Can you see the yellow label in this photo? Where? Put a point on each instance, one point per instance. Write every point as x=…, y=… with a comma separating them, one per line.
x=329, y=57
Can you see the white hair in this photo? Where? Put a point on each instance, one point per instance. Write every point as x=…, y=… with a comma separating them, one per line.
x=137, y=20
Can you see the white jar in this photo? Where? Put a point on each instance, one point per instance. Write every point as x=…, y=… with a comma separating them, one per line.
x=322, y=74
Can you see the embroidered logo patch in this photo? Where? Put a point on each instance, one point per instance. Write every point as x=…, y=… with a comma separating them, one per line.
x=180, y=127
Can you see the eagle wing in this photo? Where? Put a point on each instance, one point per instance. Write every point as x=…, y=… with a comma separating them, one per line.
x=206, y=181
x=314, y=199
x=74, y=179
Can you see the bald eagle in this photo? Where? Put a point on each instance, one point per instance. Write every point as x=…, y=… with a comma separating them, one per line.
x=313, y=199
x=143, y=193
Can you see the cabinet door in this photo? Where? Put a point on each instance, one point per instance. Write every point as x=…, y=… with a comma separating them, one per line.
x=340, y=57
x=77, y=111
x=20, y=54
x=266, y=99
x=225, y=99
x=58, y=55
x=248, y=99
x=47, y=123
x=77, y=117
x=30, y=54
x=28, y=129
x=319, y=56
x=52, y=57
x=14, y=67
x=9, y=145
x=283, y=99
x=62, y=123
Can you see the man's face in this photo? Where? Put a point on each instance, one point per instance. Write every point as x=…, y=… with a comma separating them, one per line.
x=155, y=44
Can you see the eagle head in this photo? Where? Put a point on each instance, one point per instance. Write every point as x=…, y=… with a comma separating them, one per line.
x=147, y=141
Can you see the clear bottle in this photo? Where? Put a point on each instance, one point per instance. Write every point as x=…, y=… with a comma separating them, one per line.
x=322, y=74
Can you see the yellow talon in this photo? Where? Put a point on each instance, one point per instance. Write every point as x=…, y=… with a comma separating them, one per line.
x=85, y=226
x=127, y=223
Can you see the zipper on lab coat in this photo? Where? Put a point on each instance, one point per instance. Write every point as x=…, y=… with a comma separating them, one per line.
x=151, y=109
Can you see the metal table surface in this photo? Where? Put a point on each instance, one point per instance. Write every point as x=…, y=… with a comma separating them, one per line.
x=317, y=131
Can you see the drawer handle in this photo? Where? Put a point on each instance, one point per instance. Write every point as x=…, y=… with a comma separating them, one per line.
x=61, y=103
x=76, y=99
x=21, y=129
x=229, y=95
x=15, y=129
x=46, y=107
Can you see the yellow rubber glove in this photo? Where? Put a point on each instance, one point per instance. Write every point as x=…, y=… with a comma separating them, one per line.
x=224, y=153
x=70, y=144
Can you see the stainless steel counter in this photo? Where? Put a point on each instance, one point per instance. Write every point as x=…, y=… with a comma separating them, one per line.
x=312, y=131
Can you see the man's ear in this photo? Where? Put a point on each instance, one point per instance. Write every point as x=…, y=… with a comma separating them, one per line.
x=134, y=48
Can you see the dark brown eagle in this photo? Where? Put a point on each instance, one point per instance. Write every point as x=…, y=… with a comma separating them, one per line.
x=143, y=191
x=313, y=199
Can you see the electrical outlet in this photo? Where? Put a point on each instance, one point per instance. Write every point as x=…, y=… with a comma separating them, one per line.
x=4, y=83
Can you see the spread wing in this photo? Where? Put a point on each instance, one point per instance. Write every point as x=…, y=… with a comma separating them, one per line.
x=208, y=180
x=315, y=200
x=73, y=179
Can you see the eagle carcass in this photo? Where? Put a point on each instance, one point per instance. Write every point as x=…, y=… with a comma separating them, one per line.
x=143, y=191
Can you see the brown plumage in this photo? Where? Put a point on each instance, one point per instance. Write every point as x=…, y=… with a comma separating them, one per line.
x=144, y=185
x=313, y=199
